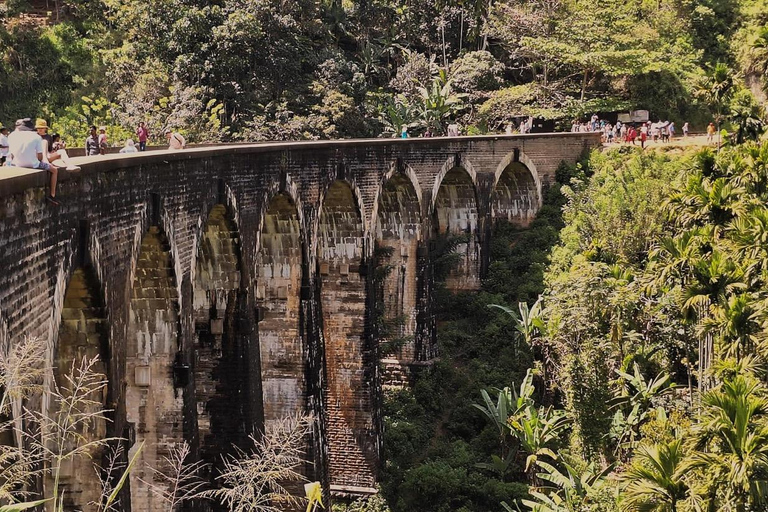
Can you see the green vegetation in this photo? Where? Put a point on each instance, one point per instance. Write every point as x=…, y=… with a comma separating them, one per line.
x=237, y=70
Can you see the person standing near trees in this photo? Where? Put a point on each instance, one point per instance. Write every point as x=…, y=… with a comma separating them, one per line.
x=103, y=144
x=685, y=129
x=92, y=143
x=711, y=132
x=142, y=134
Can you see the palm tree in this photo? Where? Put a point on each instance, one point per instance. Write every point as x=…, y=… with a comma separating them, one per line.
x=735, y=325
x=715, y=89
x=439, y=102
x=715, y=278
x=748, y=117
x=654, y=480
x=705, y=201
x=568, y=491
x=758, y=52
x=731, y=444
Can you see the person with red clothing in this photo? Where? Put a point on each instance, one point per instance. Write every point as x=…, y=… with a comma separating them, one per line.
x=142, y=134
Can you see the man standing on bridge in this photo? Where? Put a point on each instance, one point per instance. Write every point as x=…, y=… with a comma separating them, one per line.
x=142, y=134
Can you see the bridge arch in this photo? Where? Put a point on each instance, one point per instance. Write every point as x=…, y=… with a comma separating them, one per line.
x=516, y=196
x=348, y=370
x=154, y=406
x=454, y=219
x=397, y=234
x=217, y=366
x=279, y=274
x=83, y=334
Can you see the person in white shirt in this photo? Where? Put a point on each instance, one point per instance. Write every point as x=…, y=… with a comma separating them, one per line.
x=130, y=147
x=3, y=144
x=175, y=140
x=25, y=149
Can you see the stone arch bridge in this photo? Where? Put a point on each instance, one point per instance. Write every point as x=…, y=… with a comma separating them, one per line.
x=227, y=287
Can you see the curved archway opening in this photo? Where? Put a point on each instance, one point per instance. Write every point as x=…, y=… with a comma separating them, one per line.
x=455, y=221
x=152, y=404
x=350, y=429
x=398, y=233
x=516, y=196
x=278, y=286
x=218, y=368
x=83, y=336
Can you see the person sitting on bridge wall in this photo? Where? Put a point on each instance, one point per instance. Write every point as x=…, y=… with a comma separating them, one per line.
x=26, y=149
x=175, y=140
x=49, y=155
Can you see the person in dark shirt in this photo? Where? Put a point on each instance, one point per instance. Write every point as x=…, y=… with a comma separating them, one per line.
x=92, y=143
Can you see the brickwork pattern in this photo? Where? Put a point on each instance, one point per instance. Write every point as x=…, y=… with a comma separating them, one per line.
x=278, y=264
x=154, y=406
x=215, y=361
x=82, y=335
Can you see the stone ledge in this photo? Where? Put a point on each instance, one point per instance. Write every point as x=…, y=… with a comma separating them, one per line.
x=15, y=180
x=351, y=491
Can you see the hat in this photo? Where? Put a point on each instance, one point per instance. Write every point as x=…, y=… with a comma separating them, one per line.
x=41, y=124
x=25, y=125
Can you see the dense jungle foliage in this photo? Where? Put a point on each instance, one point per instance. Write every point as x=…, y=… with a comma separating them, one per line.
x=635, y=381
x=267, y=69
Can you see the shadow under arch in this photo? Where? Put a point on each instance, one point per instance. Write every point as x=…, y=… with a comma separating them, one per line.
x=397, y=232
x=278, y=297
x=154, y=406
x=517, y=195
x=454, y=223
x=83, y=336
x=220, y=372
x=352, y=446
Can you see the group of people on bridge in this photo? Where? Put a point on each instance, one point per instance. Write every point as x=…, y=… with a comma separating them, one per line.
x=31, y=146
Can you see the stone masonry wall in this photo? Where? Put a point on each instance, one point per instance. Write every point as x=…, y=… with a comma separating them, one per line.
x=121, y=208
x=154, y=406
x=278, y=264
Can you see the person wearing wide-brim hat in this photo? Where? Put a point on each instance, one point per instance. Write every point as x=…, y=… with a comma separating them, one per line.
x=26, y=149
x=41, y=126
